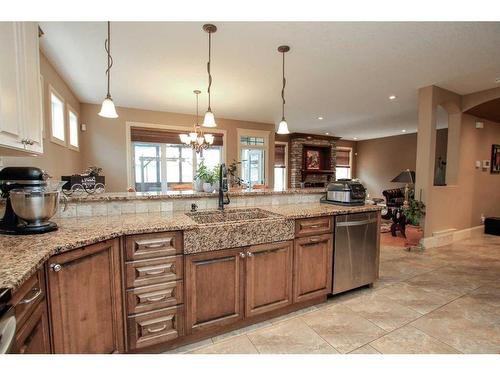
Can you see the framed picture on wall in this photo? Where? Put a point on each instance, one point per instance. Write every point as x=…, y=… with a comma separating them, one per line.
x=495, y=159
x=312, y=160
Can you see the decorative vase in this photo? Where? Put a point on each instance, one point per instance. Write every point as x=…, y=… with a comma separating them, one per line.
x=413, y=235
x=208, y=187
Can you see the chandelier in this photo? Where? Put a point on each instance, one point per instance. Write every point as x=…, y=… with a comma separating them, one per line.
x=196, y=139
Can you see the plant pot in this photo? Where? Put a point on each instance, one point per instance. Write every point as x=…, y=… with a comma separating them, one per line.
x=216, y=186
x=198, y=185
x=208, y=187
x=413, y=235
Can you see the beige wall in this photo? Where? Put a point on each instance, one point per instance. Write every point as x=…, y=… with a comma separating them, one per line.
x=104, y=142
x=380, y=160
x=473, y=191
x=56, y=160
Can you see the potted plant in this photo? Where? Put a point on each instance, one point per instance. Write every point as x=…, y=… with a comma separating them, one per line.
x=201, y=172
x=206, y=178
x=234, y=180
x=414, y=213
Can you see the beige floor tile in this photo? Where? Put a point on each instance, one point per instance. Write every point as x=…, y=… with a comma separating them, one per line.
x=489, y=294
x=401, y=269
x=409, y=340
x=365, y=349
x=460, y=333
x=414, y=297
x=342, y=328
x=382, y=311
x=190, y=347
x=468, y=308
x=294, y=314
x=241, y=331
x=290, y=337
x=235, y=345
x=438, y=282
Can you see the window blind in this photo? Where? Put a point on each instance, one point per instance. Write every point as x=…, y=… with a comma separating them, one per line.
x=279, y=156
x=343, y=158
x=152, y=135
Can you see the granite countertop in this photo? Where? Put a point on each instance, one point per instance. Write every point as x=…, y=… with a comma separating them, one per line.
x=185, y=194
x=21, y=256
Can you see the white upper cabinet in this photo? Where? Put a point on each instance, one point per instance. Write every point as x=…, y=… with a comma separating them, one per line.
x=21, y=120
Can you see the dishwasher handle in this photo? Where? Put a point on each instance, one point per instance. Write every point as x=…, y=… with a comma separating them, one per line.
x=356, y=223
x=7, y=331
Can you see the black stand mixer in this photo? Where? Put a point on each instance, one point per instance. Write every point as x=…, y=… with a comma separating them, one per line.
x=29, y=204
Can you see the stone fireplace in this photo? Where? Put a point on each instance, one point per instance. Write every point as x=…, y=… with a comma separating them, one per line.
x=325, y=146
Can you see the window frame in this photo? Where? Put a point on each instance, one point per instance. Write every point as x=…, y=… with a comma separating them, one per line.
x=54, y=139
x=343, y=148
x=130, y=151
x=241, y=132
x=69, y=109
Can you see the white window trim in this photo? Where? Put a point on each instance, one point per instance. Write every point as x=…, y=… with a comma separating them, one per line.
x=69, y=109
x=286, y=161
x=240, y=132
x=187, y=129
x=53, y=139
x=350, y=159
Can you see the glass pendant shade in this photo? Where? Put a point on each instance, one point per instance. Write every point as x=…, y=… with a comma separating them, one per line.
x=283, y=127
x=209, y=120
x=193, y=137
x=108, y=109
x=185, y=138
x=209, y=138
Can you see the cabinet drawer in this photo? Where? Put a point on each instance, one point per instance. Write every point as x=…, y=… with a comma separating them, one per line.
x=153, y=245
x=27, y=297
x=155, y=327
x=154, y=271
x=33, y=336
x=315, y=225
x=154, y=297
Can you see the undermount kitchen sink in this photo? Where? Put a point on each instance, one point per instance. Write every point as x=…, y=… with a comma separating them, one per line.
x=231, y=215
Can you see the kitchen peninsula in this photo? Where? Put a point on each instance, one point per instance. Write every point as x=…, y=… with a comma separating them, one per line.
x=157, y=279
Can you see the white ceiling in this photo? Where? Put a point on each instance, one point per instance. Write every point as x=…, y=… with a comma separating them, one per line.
x=342, y=71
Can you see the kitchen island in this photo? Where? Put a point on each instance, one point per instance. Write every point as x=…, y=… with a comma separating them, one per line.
x=154, y=281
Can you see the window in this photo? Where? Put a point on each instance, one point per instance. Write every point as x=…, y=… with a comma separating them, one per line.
x=344, y=163
x=160, y=166
x=73, y=129
x=280, y=166
x=58, y=133
x=252, y=148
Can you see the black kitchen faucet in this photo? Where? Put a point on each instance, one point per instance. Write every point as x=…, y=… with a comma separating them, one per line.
x=223, y=187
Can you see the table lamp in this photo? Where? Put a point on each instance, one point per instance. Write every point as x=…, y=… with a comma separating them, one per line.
x=407, y=177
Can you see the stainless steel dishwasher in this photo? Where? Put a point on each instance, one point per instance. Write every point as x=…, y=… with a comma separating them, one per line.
x=356, y=251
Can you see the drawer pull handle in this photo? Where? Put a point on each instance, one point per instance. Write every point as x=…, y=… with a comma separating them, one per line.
x=156, y=330
x=155, y=272
x=314, y=226
x=156, y=299
x=37, y=293
x=155, y=245
x=314, y=240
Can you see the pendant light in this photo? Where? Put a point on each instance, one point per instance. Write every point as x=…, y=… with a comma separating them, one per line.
x=108, y=107
x=209, y=120
x=283, y=126
x=196, y=139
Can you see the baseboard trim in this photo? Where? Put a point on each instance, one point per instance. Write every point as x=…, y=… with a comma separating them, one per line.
x=447, y=237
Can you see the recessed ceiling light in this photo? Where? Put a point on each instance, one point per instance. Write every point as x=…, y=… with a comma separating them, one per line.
x=497, y=80
x=403, y=131
x=327, y=133
x=392, y=97
x=320, y=118
x=355, y=138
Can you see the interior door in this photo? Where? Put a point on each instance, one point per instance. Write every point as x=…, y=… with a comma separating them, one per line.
x=268, y=277
x=214, y=289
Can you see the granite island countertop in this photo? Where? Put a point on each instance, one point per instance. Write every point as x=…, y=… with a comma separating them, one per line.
x=22, y=256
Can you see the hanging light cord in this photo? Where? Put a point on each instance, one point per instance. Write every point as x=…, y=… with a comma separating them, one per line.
x=107, y=47
x=208, y=67
x=283, y=90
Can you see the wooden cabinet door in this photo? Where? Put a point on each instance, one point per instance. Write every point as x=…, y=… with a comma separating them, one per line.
x=214, y=289
x=33, y=336
x=268, y=277
x=85, y=300
x=313, y=262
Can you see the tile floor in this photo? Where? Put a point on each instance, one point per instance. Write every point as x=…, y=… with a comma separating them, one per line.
x=442, y=300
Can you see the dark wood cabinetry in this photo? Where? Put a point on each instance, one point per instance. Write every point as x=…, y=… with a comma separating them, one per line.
x=85, y=300
x=32, y=334
x=214, y=289
x=268, y=277
x=313, y=261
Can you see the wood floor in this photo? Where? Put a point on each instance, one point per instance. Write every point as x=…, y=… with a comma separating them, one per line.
x=442, y=300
